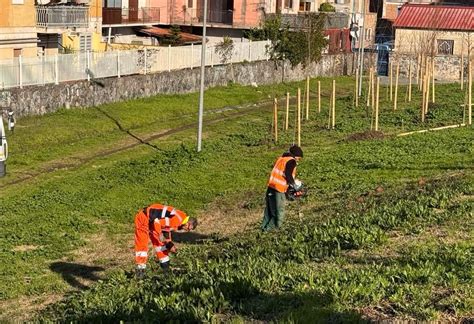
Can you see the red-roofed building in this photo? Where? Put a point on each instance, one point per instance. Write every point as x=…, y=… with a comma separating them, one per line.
x=445, y=30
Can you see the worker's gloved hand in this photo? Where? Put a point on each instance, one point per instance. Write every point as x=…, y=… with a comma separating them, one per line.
x=171, y=247
x=297, y=185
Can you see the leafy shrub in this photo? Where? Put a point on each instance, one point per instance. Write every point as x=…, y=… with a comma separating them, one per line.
x=327, y=7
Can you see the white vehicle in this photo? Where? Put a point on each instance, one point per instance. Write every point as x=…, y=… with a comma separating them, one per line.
x=3, y=148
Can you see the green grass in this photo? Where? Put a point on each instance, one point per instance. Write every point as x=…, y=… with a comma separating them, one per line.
x=69, y=135
x=268, y=277
x=297, y=267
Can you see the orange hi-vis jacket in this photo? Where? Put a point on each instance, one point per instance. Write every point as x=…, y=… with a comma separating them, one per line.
x=277, y=179
x=150, y=223
x=167, y=218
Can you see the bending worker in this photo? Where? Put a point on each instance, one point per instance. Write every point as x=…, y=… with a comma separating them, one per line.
x=155, y=223
x=282, y=177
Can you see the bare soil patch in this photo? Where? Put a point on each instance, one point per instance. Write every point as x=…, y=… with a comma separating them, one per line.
x=23, y=309
x=226, y=219
x=368, y=135
x=25, y=248
x=80, y=270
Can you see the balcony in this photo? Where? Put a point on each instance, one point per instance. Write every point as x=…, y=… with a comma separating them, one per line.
x=225, y=17
x=130, y=16
x=62, y=16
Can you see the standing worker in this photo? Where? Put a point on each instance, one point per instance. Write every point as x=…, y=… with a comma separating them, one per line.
x=155, y=223
x=281, y=179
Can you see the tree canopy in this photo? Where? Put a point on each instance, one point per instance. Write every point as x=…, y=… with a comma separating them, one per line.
x=300, y=45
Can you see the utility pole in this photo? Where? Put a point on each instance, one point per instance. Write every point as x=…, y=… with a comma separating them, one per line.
x=361, y=49
x=203, y=70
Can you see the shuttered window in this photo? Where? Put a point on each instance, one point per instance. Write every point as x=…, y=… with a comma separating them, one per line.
x=85, y=42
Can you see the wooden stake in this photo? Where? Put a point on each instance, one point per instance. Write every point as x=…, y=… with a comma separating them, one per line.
x=377, y=105
x=418, y=63
x=395, y=102
x=391, y=81
x=299, y=117
x=423, y=100
x=469, y=100
x=431, y=129
x=373, y=87
x=319, y=96
x=428, y=81
x=307, y=98
x=333, y=104
x=287, y=110
x=462, y=70
x=369, y=87
x=409, y=83
x=433, y=74
x=356, y=92
x=275, y=119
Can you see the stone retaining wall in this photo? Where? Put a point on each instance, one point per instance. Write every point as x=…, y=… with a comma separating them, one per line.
x=36, y=100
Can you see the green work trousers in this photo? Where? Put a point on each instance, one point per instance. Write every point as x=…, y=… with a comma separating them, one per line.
x=274, y=209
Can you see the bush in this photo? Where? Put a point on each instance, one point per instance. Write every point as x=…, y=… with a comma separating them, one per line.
x=327, y=7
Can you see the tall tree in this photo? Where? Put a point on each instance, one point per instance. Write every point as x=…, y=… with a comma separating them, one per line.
x=299, y=44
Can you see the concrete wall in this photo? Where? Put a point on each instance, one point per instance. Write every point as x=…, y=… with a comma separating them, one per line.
x=72, y=41
x=420, y=41
x=247, y=13
x=18, y=25
x=447, y=67
x=35, y=100
x=17, y=15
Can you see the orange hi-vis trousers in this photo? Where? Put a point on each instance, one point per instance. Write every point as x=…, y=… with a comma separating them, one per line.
x=143, y=234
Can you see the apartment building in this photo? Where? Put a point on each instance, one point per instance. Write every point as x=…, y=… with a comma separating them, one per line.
x=349, y=14
x=17, y=29
x=72, y=27
x=123, y=19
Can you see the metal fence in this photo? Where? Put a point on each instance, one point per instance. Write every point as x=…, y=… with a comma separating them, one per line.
x=62, y=16
x=21, y=71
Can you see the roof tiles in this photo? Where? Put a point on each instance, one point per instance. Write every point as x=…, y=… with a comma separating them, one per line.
x=435, y=17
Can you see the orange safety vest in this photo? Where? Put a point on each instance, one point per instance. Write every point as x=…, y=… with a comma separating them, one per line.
x=277, y=179
x=166, y=216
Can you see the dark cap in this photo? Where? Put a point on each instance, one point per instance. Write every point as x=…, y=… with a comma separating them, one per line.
x=296, y=151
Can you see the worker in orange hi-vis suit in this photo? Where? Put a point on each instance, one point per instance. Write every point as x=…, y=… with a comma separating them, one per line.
x=155, y=223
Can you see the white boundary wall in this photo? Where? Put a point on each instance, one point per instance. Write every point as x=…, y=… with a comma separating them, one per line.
x=21, y=71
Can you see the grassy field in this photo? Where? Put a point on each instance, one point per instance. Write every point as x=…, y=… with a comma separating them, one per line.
x=386, y=231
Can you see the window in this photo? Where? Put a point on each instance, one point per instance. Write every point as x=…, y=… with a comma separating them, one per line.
x=190, y=3
x=445, y=47
x=288, y=4
x=375, y=5
x=16, y=52
x=368, y=34
x=113, y=3
x=305, y=6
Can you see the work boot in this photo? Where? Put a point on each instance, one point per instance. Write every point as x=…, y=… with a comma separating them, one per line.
x=140, y=274
x=165, y=266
